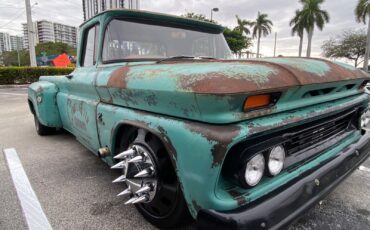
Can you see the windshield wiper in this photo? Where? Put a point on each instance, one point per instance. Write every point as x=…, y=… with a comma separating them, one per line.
x=184, y=57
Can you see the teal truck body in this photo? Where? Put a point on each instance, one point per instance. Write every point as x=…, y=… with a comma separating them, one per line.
x=195, y=109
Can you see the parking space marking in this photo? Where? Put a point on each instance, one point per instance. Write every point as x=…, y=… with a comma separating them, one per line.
x=31, y=207
x=13, y=94
x=363, y=168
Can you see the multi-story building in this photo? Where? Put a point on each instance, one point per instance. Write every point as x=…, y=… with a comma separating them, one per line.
x=46, y=31
x=65, y=34
x=4, y=42
x=10, y=42
x=16, y=42
x=25, y=34
x=92, y=7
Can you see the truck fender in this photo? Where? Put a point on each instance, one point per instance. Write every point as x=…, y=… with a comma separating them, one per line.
x=42, y=99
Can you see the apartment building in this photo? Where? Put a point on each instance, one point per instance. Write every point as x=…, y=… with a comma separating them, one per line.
x=93, y=7
x=10, y=42
x=46, y=31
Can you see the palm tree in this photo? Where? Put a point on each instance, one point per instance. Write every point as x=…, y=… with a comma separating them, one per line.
x=261, y=27
x=242, y=27
x=362, y=11
x=298, y=28
x=312, y=15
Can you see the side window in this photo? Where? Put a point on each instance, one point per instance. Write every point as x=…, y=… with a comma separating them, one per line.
x=91, y=46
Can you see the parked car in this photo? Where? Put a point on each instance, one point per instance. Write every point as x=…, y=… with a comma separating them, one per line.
x=230, y=143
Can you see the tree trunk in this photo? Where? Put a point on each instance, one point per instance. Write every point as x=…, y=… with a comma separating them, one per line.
x=356, y=62
x=300, y=45
x=258, y=45
x=366, y=61
x=310, y=35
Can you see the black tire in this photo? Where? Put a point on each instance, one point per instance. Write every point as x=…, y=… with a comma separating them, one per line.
x=41, y=129
x=168, y=209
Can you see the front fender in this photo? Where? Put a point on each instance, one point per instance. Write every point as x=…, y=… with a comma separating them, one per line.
x=42, y=95
x=196, y=150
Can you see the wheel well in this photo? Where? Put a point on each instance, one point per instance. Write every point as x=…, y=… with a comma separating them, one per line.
x=120, y=133
x=32, y=108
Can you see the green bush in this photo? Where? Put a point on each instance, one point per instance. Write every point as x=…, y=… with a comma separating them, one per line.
x=26, y=75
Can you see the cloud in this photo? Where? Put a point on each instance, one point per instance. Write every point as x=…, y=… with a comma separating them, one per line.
x=279, y=11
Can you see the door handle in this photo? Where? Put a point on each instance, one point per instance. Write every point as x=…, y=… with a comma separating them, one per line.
x=70, y=76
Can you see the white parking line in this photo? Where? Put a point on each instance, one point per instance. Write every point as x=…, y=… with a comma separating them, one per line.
x=13, y=94
x=34, y=215
x=363, y=168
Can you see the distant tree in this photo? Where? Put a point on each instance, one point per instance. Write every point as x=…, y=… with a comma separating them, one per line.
x=312, y=15
x=10, y=58
x=261, y=27
x=54, y=48
x=236, y=40
x=200, y=17
x=362, y=13
x=351, y=46
x=298, y=28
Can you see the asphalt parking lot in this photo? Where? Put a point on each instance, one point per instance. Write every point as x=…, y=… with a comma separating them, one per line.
x=75, y=191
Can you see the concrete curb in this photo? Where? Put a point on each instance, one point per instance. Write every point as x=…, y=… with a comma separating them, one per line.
x=13, y=86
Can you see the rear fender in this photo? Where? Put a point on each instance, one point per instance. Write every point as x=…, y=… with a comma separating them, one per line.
x=42, y=95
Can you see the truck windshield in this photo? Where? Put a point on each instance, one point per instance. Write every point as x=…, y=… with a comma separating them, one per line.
x=126, y=40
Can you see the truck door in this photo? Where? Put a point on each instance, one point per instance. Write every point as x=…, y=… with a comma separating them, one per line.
x=78, y=98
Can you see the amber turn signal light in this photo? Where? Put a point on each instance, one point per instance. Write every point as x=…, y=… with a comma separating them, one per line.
x=257, y=101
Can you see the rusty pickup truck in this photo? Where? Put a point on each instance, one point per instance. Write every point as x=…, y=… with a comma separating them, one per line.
x=197, y=135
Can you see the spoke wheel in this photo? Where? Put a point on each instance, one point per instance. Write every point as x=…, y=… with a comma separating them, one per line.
x=146, y=167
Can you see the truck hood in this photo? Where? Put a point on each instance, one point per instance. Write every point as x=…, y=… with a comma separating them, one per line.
x=214, y=91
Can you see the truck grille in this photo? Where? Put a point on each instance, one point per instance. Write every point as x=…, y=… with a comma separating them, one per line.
x=320, y=131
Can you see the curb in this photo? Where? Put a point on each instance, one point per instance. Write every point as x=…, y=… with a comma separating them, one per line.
x=13, y=86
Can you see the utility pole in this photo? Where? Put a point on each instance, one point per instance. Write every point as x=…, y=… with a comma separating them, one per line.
x=275, y=44
x=19, y=59
x=31, y=42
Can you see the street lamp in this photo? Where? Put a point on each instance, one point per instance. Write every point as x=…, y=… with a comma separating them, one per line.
x=213, y=10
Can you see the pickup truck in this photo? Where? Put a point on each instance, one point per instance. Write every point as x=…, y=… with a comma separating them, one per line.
x=233, y=144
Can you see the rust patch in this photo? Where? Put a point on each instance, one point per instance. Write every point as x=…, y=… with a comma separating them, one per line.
x=118, y=78
x=336, y=72
x=221, y=83
x=239, y=197
x=168, y=144
x=221, y=135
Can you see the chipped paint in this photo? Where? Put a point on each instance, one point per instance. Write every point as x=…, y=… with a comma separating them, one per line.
x=187, y=89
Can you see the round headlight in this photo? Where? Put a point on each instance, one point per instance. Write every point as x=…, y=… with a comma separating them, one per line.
x=365, y=121
x=254, y=170
x=276, y=160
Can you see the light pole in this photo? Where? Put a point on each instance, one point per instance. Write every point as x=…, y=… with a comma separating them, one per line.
x=31, y=41
x=215, y=10
x=19, y=59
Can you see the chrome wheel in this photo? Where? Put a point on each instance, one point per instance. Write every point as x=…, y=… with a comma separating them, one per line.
x=139, y=174
x=151, y=182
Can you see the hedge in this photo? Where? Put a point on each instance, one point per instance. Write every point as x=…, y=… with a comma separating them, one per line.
x=26, y=75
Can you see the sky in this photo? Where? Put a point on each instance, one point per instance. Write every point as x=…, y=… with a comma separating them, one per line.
x=280, y=12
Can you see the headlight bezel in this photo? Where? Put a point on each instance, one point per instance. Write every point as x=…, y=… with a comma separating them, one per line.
x=266, y=173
